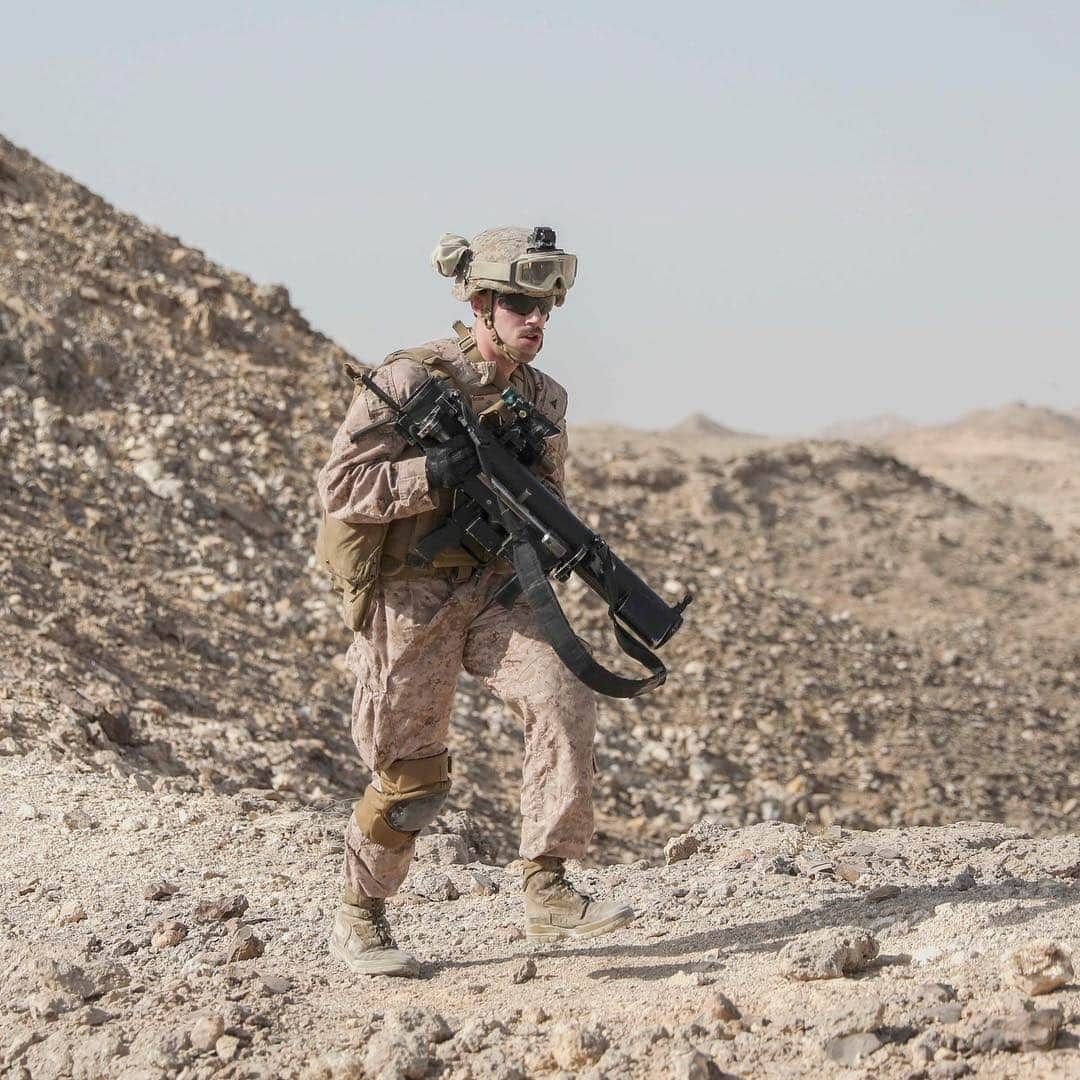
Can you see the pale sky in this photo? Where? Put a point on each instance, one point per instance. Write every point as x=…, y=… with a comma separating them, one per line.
x=786, y=214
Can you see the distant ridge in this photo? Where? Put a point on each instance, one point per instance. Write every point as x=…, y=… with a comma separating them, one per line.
x=700, y=424
x=1017, y=418
x=873, y=427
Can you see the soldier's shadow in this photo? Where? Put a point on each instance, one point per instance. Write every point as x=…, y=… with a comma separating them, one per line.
x=770, y=935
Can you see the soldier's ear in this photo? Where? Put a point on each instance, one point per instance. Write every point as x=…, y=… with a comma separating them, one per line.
x=477, y=302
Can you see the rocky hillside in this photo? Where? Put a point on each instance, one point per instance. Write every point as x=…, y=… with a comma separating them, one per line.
x=868, y=646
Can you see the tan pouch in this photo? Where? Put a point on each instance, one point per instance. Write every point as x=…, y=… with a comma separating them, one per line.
x=351, y=555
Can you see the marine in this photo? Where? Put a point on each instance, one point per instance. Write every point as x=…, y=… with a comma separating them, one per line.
x=417, y=627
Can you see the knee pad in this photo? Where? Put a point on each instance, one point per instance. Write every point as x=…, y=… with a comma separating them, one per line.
x=409, y=796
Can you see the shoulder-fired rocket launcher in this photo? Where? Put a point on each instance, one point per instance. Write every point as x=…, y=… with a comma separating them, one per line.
x=506, y=510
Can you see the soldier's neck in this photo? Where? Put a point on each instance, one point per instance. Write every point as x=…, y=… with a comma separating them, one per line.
x=504, y=367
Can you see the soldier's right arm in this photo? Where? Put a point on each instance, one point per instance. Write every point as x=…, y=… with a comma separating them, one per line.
x=380, y=478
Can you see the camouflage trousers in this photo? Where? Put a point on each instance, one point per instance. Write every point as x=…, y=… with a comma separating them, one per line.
x=421, y=633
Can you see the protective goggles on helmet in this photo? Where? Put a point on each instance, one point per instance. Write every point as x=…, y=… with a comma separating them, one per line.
x=524, y=304
x=539, y=272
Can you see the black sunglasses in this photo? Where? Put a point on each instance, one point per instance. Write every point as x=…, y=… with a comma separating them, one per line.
x=523, y=304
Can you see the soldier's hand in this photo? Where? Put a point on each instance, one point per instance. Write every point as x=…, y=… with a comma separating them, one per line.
x=451, y=463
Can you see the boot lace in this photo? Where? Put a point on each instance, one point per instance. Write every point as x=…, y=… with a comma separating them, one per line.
x=557, y=885
x=382, y=926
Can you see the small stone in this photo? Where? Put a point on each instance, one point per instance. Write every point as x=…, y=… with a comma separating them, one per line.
x=694, y=1066
x=70, y=913
x=227, y=1047
x=168, y=936
x=482, y=884
x=689, y=978
x=422, y=1019
x=852, y=1050
x=524, y=972
x=952, y=1013
x=160, y=890
x=206, y=1031
x=719, y=1006
x=680, y=848
x=828, y=954
x=574, y=1046
x=935, y=991
x=1038, y=967
x=105, y=976
x=948, y=1070
x=534, y=1014
x=64, y=977
x=26, y=812
x=394, y=1052
x=92, y=1016
x=221, y=908
x=435, y=886
x=245, y=944
x=884, y=892
x=852, y=1016
x=1019, y=1032
x=75, y=820
x=964, y=880
x=849, y=872
x=275, y=984
x=48, y=1004
x=443, y=849
x=335, y=1065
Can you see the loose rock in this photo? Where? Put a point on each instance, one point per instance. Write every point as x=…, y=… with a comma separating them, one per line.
x=679, y=848
x=574, y=1046
x=828, y=954
x=524, y=972
x=852, y=1050
x=205, y=1033
x=244, y=944
x=1038, y=967
x=1021, y=1031
x=168, y=936
x=221, y=908
x=160, y=890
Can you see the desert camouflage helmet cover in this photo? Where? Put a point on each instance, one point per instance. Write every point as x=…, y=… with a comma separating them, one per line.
x=506, y=259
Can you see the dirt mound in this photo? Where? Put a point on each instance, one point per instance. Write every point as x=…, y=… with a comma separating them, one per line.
x=1029, y=456
x=867, y=645
x=850, y=527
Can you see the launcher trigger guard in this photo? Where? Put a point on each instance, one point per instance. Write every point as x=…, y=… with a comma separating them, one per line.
x=562, y=570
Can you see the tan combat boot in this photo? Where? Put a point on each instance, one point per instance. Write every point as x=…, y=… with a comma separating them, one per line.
x=555, y=909
x=360, y=938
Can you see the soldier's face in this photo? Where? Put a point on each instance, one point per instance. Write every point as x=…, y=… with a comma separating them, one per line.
x=523, y=333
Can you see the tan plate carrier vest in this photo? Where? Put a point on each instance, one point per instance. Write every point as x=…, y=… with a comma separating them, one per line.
x=355, y=555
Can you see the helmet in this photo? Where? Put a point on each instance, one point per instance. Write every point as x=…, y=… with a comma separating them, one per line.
x=506, y=259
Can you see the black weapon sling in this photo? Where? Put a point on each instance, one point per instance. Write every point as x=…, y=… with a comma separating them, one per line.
x=570, y=649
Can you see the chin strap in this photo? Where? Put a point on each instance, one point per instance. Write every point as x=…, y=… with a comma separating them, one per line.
x=488, y=317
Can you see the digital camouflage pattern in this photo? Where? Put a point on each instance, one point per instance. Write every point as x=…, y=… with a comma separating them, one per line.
x=422, y=630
